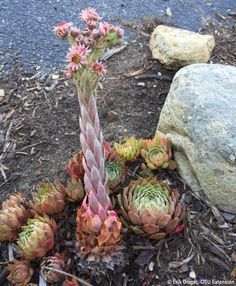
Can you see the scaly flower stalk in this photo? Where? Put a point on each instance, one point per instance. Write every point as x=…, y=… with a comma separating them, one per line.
x=12, y=216
x=37, y=237
x=20, y=273
x=97, y=225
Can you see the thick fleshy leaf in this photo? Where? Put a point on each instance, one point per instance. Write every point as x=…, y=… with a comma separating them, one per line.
x=90, y=135
x=97, y=150
x=150, y=228
x=95, y=177
x=172, y=225
x=178, y=211
x=157, y=236
x=92, y=108
x=93, y=203
x=163, y=221
x=90, y=160
x=135, y=219
x=148, y=218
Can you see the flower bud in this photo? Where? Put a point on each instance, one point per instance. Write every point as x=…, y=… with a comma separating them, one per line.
x=74, y=32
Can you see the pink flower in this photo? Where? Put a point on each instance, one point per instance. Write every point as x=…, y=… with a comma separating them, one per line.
x=119, y=31
x=99, y=68
x=77, y=56
x=69, y=72
x=105, y=28
x=62, y=29
x=89, y=15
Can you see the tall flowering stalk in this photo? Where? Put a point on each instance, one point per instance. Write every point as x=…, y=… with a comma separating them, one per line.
x=98, y=227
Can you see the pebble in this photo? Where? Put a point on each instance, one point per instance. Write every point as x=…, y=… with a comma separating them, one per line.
x=151, y=266
x=112, y=116
x=228, y=216
x=141, y=84
x=184, y=268
x=232, y=158
x=2, y=92
x=55, y=76
x=169, y=12
x=192, y=274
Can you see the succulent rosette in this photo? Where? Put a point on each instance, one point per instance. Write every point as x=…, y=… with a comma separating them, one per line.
x=49, y=198
x=96, y=235
x=75, y=167
x=150, y=208
x=110, y=152
x=129, y=149
x=156, y=152
x=12, y=216
x=37, y=237
x=20, y=273
x=116, y=171
x=55, y=262
x=74, y=190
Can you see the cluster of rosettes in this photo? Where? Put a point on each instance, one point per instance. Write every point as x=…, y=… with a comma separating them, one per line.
x=88, y=44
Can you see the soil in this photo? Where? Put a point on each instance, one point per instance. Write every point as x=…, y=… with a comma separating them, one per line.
x=39, y=131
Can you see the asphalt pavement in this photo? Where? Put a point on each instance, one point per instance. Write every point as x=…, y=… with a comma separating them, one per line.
x=26, y=25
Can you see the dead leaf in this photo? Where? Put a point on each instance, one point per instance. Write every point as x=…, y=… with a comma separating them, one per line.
x=145, y=257
x=3, y=168
x=137, y=73
x=177, y=264
x=9, y=114
x=233, y=272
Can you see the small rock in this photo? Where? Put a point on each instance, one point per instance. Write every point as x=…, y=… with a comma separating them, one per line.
x=176, y=48
x=227, y=216
x=169, y=12
x=184, y=268
x=2, y=92
x=55, y=76
x=233, y=256
x=196, y=207
x=192, y=274
x=151, y=266
x=188, y=199
x=141, y=84
x=112, y=116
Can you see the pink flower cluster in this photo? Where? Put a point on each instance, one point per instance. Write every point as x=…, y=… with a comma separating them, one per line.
x=88, y=44
x=62, y=29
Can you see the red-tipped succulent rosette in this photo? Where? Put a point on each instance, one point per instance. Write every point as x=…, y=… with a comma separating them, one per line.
x=151, y=208
x=12, y=216
x=20, y=273
x=49, y=198
x=37, y=237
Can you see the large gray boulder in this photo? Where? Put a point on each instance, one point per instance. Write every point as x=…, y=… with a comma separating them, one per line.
x=199, y=116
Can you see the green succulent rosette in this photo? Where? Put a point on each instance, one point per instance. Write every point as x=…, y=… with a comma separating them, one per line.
x=157, y=152
x=49, y=198
x=129, y=149
x=37, y=237
x=150, y=208
x=115, y=174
